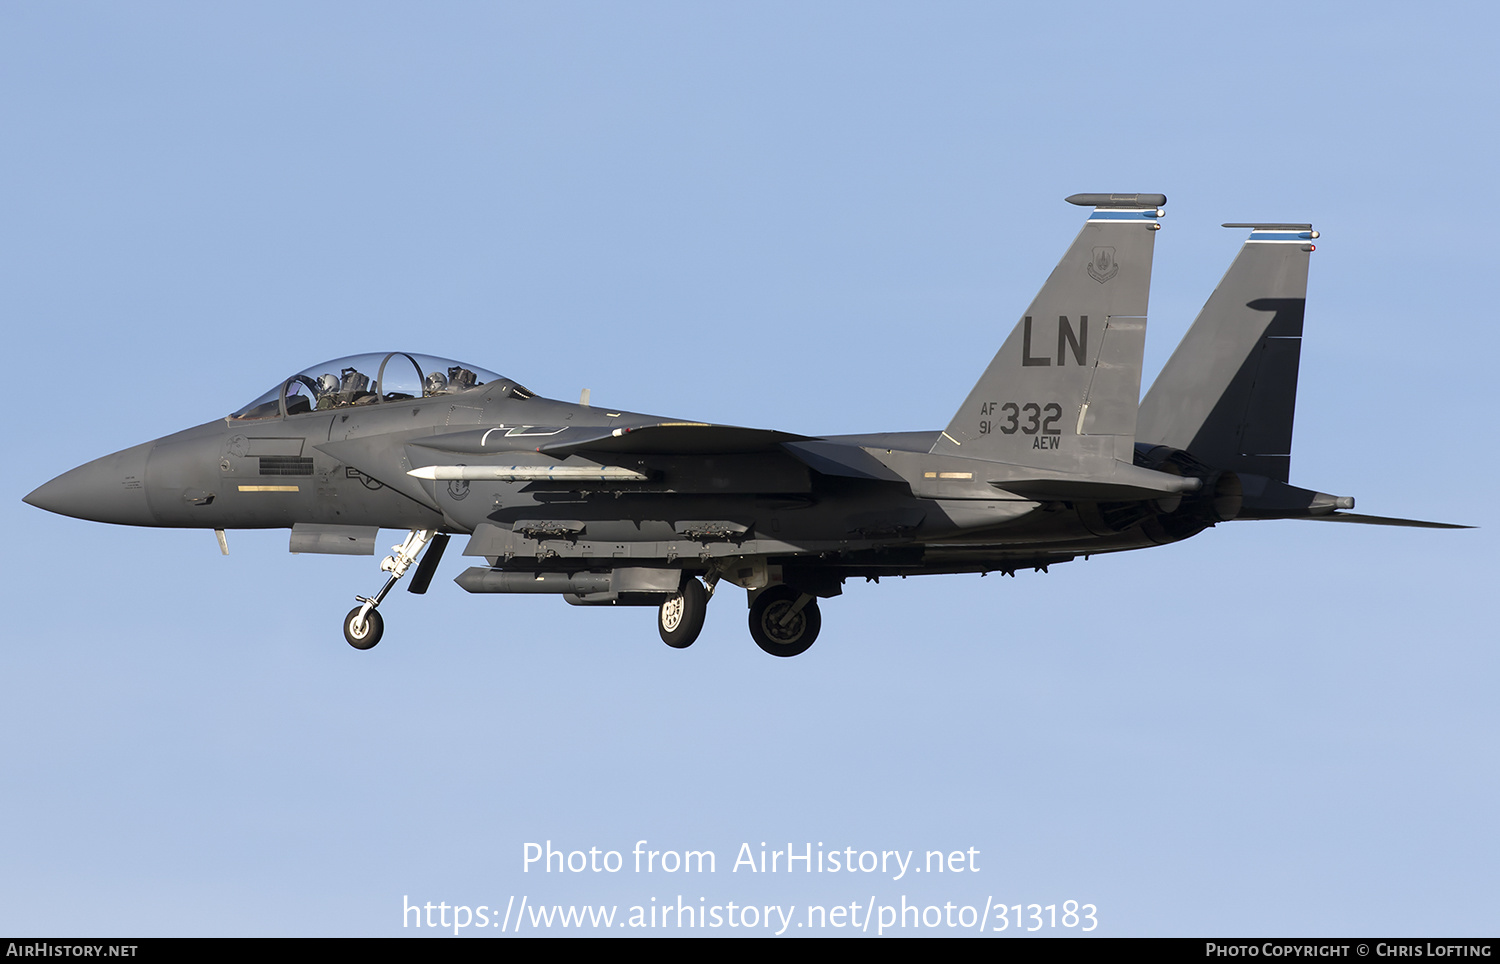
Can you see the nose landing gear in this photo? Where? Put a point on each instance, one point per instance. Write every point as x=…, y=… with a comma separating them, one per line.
x=364, y=626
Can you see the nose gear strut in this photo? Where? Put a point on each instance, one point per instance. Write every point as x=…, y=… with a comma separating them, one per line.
x=364, y=626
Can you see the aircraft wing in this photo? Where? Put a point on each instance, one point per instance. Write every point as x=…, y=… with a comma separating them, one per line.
x=670, y=438
x=660, y=438
x=835, y=458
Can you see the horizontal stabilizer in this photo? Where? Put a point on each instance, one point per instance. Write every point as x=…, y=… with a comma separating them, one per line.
x=1377, y=520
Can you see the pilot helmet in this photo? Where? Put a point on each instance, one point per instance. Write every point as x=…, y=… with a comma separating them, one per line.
x=327, y=383
x=436, y=384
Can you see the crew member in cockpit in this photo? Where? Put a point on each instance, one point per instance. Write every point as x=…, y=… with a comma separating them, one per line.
x=350, y=387
x=328, y=392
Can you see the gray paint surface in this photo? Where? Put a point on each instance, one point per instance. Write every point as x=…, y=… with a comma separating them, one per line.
x=1041, y=464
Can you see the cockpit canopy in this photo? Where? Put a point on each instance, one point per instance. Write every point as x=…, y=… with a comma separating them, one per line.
x=370, y=380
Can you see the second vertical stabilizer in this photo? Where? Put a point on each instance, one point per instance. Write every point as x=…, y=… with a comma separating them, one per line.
x=1228, y=394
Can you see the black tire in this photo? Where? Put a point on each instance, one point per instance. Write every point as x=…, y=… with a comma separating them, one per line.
x=680, y=619
x=374, y=628
x=793, y=639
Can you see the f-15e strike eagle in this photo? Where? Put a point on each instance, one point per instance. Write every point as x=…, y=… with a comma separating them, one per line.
x=1051, y=456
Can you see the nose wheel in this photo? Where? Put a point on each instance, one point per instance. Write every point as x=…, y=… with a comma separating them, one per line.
x=363, y=630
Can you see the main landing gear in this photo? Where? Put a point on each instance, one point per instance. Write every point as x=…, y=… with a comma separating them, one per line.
x=364, y=626
x=680, y=618
x=784, y=622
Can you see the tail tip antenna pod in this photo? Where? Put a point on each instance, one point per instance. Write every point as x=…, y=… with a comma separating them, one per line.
x=1121, y=207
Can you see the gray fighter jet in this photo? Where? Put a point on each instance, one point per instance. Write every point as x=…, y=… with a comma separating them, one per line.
x=1051, y=456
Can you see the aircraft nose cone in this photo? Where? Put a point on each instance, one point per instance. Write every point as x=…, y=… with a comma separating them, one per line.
x=111, y=489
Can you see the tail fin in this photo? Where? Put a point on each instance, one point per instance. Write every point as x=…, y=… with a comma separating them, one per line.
x=1062, y=391
x=1229, y=392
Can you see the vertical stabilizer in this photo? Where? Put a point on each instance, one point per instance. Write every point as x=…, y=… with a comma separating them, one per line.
x=1228, y=393
x=1062, y=391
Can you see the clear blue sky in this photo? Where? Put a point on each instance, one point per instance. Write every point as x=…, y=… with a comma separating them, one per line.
x=816, y=217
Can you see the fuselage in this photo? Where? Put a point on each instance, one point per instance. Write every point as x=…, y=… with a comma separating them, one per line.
x=884, y=505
